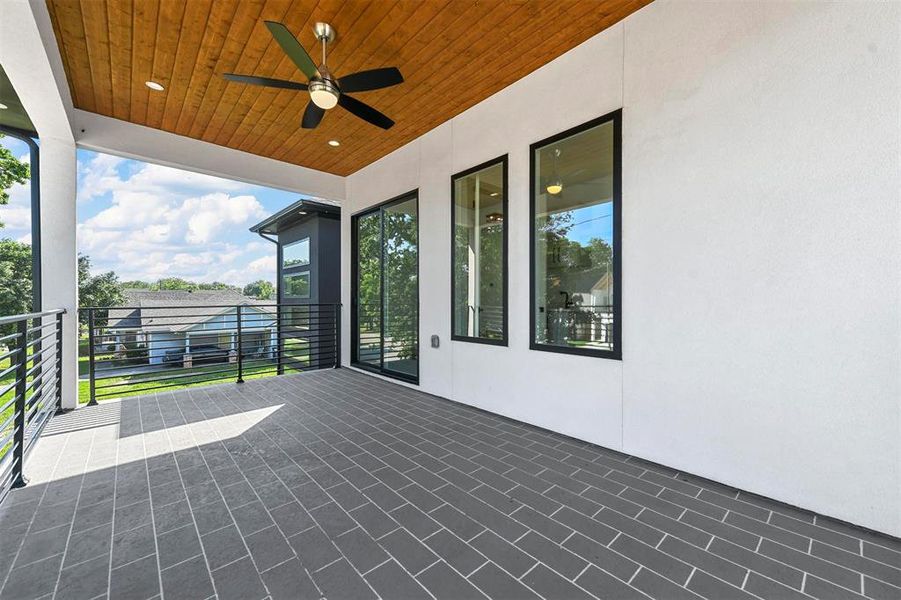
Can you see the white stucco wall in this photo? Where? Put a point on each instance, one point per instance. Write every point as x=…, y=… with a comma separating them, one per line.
x=761, y=270
x=29, y=67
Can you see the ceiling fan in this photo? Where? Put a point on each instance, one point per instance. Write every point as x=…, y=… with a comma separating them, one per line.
x=325, y=90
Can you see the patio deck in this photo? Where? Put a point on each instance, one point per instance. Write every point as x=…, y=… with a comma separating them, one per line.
x=336, y=484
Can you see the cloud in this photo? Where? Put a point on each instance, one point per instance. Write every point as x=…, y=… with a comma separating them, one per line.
x=98, y=176
x=262, y=265
x=102, y=174
x=16, y=214
x=161, y=222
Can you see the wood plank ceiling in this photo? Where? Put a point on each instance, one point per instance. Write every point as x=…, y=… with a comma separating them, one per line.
x=452, y=53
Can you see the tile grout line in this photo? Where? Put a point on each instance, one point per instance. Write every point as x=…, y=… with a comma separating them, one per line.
x=31, y=519
x=62, y=563
x=156, y=548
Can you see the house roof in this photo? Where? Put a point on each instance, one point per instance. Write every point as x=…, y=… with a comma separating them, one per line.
x=297, y=212
x=169, y=310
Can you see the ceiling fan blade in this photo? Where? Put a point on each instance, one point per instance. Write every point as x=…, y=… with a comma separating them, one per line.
x=312, y=116
x=374, y=79
x=293, y=49
x=266, y=81
x=365, y=112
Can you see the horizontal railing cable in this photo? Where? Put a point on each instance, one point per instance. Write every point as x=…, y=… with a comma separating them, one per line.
x=137, y=350
x=30, y=376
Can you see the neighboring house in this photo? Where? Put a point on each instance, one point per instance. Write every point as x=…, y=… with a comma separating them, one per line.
x=180, y=320
x=308, y=236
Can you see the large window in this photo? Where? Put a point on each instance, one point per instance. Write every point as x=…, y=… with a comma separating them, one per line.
x=479, y=270
x=385, y=315
x=575, y=202
x=297, y=285
x=296, y=254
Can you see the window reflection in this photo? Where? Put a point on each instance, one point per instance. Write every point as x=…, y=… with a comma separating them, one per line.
x=574, y=238
x=479, y=208
x=296, y=254
x=297, y=285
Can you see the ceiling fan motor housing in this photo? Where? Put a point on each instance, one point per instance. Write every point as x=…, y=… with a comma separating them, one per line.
x=324, y=92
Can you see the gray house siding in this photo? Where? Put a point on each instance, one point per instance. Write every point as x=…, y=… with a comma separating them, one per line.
x=161, y=341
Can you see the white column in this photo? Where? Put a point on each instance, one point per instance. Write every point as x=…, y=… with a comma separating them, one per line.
x=59, y=268
x=29, y=58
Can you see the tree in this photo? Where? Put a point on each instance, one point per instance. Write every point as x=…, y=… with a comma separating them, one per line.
x=178, y=284
x=260, y=289
x=12, y=171
x=175, y=284
x=216, y=285
x=15, y=280
x=102, y=290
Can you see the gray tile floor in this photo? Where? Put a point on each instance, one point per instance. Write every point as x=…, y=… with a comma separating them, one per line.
x=339, y=485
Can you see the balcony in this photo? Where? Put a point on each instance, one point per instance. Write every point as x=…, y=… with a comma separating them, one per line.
x=588, y=332
x=339, y=484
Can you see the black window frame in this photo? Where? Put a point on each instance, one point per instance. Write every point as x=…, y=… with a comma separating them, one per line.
x=617, y=352
x=304, y=271
x=300, y=266
x=354, y=270
x=504, y=341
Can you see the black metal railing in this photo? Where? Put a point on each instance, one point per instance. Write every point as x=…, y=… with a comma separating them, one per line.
x=31, y=348
x=391, y=331
x=137, y=350
x=589, y=325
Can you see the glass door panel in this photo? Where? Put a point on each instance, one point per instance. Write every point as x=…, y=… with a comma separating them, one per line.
x=386, y=289
x=369, y=289
x=401, y=288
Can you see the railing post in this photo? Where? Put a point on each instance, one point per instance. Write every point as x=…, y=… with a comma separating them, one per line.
x=19, y=435
x=240, y=349
x=279, y=345
x=59, y=362
x=93, y=400
x=337, y=336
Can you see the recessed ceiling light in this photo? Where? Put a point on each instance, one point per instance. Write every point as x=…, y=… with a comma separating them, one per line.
x=154, y=86
x=334, y=143
x=3, y=106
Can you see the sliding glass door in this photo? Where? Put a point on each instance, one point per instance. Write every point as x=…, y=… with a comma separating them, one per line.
x=368, y=289
x=386, y=288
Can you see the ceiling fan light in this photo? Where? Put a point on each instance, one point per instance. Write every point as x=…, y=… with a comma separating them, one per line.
x=323, y=94
x=555, y=187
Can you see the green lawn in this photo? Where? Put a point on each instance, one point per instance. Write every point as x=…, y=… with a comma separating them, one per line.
x=7, y=408
x=199, y=376
x=6, y=413
x=107, y=389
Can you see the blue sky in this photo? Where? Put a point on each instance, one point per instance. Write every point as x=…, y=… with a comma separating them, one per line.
x=146, y=221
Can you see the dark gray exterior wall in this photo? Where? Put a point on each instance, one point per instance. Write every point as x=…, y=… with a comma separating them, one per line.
x=325, y=256
x=328, y=259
